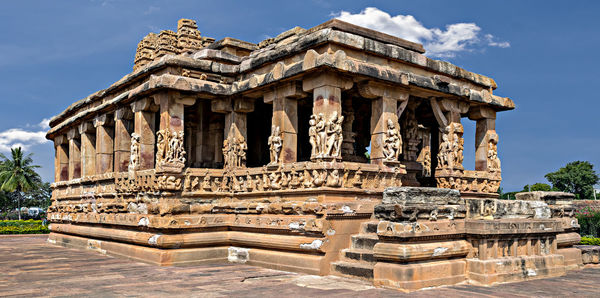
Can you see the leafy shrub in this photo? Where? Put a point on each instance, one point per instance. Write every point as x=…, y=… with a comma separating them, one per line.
x=589, y=220
x=589, y=241
x=23, y=227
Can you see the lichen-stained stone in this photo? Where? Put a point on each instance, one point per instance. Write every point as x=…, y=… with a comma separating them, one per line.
x=421, y=195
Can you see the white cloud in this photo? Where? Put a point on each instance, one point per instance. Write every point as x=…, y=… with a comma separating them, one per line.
x=151, y=10
x=492, y=43
x=455, y=38
x=45, y=123
x=18, y=137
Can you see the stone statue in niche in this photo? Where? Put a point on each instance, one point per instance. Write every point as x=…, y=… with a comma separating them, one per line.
x=169, y=147
x=275, y=143
x=234, y=151
x=326, y=136
x=392, y=143
x=493, y=162
x=134, y=158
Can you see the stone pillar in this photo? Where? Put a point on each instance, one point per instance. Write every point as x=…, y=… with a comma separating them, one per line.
x=61, y=158
x=218, y=132
x=451, y=145
x=236, y=132
x=104, y=144
x=384, y=108
x=74, y=154
x=88, y=149
x=143, y=113
x=485, y=138
x=327, y=111
x=285, y=116
x=122, y=140
x=171, y=155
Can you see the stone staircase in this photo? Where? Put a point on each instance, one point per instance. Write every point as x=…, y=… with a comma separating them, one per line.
x=358, y=260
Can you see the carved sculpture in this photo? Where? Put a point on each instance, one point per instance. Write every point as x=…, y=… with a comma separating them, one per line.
x=275, y=143
x=451, y=148
x=392, y=143
x=170, y=148
x=493, y=162
x=326, y=136
x=134, y=158
x=234, y=152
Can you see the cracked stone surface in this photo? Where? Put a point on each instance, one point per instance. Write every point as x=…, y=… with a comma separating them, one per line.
x=32, y=267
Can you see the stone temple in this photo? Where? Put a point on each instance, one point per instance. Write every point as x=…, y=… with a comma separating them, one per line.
x=333, y=150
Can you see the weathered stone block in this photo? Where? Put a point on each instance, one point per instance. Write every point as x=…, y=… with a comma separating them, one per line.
x=421, y=195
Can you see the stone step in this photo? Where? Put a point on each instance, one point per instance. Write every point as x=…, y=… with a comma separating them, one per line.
x=367, y=241
x=362, y=270
x=369, y=227
x=359, y=255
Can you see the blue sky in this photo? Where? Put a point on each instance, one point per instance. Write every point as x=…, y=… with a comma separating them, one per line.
x=542, y=54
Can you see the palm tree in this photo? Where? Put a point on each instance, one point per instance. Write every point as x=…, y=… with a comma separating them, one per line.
x=17, y=174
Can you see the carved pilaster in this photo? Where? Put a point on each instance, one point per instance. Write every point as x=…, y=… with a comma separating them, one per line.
x=285, y=117
x=74, y=154
x=170, y=147
x=144, y=112
x=325, y=133
x=235, y=145
x=88, y=149
x=61, y=159
x=122, y=141
x=104, y=144
x=451, y=145
x=387, y=105
x=486, y=139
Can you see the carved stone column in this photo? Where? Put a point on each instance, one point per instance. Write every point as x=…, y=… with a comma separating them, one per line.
x=88, y=149
x=104, y=144
x=386, y=141
x=285, y=118
x=171, y=154
x=235, y=144
x=448, y=114
x=122, y=141
x=61, y=159
x=486, y=139
x=144, y=114
x=218, y=132
x=74, y=154
x=326, y=135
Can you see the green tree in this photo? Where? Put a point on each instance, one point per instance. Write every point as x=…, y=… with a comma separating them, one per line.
x=17, y=174
x=537, y=187
x=576, y=177
x=39, y=196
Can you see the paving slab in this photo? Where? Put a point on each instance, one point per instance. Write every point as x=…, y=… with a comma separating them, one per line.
x=32, y=267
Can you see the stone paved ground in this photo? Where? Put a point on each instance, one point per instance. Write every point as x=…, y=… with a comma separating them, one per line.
x=31, y=267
